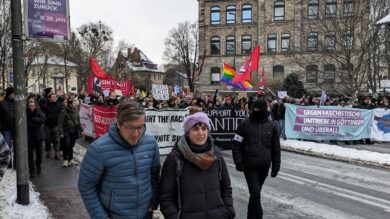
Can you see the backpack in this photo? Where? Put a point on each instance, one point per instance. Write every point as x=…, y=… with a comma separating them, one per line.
x=179, y=170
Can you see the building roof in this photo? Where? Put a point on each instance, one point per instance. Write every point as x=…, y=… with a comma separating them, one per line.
x=137, y=61
x=385, y=20
x=52, y=61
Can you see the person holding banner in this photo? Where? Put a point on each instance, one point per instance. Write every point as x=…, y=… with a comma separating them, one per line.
x=255, y=147
x=195, y=182
x=120, y=172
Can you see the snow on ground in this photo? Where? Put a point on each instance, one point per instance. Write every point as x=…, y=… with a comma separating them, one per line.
x=9, y=209
x=337, y=153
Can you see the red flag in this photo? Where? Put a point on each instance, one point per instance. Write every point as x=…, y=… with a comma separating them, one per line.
x=254, y=59
x=96, y=69
x=262, y=80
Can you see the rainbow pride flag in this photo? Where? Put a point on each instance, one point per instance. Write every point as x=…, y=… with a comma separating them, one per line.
x=228, y=74
x=227, y=77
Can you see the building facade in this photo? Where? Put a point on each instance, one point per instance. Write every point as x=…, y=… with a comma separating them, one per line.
x=138, y=68
x=296, y=36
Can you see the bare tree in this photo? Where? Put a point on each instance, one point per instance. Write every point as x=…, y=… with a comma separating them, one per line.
x=182, y=49
x=96, y=41
x=5, y=39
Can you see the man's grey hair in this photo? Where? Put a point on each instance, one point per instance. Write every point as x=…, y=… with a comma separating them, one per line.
x=129, y=110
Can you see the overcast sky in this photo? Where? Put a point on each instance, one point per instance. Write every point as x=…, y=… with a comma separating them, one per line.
x=144, y=23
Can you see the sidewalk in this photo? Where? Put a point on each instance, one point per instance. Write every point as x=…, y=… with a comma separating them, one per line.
x=58, y=190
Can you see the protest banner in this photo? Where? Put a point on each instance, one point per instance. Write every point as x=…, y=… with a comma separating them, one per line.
x=380, y=128
x=87, y=120
x=103, y=116
x=327, y=123
x=99, y=86
x=47, y=20
x=223, y=125
x=160, y=91
x=166, y=126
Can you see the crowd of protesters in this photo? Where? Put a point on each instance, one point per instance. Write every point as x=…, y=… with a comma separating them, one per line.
x=54, y=124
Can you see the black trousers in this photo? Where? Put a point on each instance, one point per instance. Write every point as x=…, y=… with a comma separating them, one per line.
x=34, y=145
x=255, y=179
x=70, y=140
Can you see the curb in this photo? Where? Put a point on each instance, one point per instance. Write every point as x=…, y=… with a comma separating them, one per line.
x=361, y=157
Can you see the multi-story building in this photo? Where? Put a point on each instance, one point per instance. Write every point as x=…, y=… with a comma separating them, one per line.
x=296, y=36
x=138, y=68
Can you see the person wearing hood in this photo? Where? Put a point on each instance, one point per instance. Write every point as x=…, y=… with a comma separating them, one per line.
x=255, y=149
x=120, y=172
x=7, y=120
x=195, y=182
x=70, y=129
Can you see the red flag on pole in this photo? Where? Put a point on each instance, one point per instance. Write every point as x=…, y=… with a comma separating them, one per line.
x=96, y=69
x=262, y=80
x=254, y=59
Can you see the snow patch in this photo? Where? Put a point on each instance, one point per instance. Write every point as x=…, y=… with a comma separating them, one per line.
x=10, y=209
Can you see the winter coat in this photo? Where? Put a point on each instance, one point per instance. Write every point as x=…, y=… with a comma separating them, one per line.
x=36, y=124
x=52, y=110
x=118, y=180
x=5, y=156
x=69, y=120
x=256, y=144
x=7, y=115
x=204, y=194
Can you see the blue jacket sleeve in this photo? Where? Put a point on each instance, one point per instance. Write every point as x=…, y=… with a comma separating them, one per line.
x=155, y=177
x=91, y=171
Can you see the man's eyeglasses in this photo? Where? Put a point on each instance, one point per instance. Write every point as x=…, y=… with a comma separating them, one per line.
x=132, y=129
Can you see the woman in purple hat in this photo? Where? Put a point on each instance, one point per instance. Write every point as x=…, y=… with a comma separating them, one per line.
x=195, y=182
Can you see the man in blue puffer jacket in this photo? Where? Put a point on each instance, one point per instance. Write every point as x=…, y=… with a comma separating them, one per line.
x=120, y=172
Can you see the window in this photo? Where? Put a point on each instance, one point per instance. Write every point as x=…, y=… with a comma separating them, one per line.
x=247, y=13
x=311, y=74
x=231, y=14
x=330, y=8
x=348, y=7
x=215, y=75
x=329, y=73
x=230, y=45
x=278, y=71
x=330, y=41
x=312, y=9
x=312, y=41
x=215, y=46
x=271, y=43
x=215, y=16
x=279, y=10
x=246, y=46
x=346, y=72
x=348, y=40
x=285, y=42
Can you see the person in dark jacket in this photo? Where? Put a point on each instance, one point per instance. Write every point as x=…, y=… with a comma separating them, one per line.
x=7, y=120
x=52, y=110
x=5, y=156
x=70, y=129
x=255, y=148
x=36, y=136
x=202, y=189
x=120, y=172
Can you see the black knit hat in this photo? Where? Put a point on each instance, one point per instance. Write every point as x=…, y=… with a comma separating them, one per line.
x=260, y=104
x=9, y=91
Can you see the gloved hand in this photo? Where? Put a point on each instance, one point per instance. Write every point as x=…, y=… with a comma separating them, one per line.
x=274, y=173
x=240, y=167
